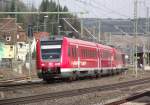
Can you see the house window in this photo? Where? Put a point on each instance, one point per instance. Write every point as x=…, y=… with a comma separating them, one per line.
x=8, y=38
x=11, y=48
x=17, y=36
x=21, y=45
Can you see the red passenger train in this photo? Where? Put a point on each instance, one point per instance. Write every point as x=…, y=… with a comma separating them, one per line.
x=74, y=58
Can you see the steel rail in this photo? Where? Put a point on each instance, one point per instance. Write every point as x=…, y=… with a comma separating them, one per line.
x=76, y=92
x=130, y=98
x=16, y=79
x=12, y=86
x=15, y=86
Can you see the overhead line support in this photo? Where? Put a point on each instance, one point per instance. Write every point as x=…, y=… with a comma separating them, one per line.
x=43, y=13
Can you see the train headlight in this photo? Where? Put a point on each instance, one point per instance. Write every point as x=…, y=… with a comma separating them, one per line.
x=42, y=64
x=57, y=64
x=50, y=64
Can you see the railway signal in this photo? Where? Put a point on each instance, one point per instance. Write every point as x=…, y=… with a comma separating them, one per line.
x=30, y=35
x=30, y=31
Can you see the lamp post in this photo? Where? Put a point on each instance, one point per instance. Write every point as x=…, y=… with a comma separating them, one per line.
x=30, y=35
x=135, y=36
x=58, y=18
x=59, y=29
x=45, y=23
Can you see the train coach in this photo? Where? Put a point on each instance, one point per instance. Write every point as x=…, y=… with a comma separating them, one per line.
x=73, y=58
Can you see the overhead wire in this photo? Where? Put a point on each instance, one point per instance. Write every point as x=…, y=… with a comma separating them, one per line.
x=103, y=8
x=94, y=12
x=109, y=9
x=112, y=12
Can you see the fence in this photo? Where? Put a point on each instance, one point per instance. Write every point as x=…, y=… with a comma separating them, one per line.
x=10, y=63
x=6, y=64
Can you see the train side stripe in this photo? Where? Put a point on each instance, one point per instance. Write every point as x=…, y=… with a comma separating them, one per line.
x=50, y=46
x=86, y=69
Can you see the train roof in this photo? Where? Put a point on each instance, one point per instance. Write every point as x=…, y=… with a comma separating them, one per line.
x=76, y=41
x=105, y=46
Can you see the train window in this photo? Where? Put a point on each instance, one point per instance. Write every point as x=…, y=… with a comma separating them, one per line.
x=51, y=54
x=72, y=52
x=75, y=52
x=92, y=53
x=95, y=54
x=83, y=53
x=69, y=53
x=105, y=54
x=55, y=42
x=86, y=53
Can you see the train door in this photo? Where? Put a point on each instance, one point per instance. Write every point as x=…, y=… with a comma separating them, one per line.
x=78, y=56
x=74, y=57
x=111, y=58
x=99, y=59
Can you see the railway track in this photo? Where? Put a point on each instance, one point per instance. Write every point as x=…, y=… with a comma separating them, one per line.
x=14, y=86
x=131, y=98
x=70, y=93
x=10, y=84
x=6, y=81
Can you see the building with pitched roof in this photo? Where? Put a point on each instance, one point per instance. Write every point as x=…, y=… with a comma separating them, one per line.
x=14, y=38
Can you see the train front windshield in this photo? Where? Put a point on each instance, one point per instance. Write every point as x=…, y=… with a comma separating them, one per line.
x=51, y=50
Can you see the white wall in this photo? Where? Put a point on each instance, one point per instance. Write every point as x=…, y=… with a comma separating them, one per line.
x=22, y=49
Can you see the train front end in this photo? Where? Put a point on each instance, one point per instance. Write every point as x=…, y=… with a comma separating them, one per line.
x=48, y=59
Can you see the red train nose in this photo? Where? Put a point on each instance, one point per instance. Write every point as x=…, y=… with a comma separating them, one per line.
x=50, y=64
x=57, y=64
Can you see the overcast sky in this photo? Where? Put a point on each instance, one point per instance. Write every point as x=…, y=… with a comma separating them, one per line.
x=103, y=8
